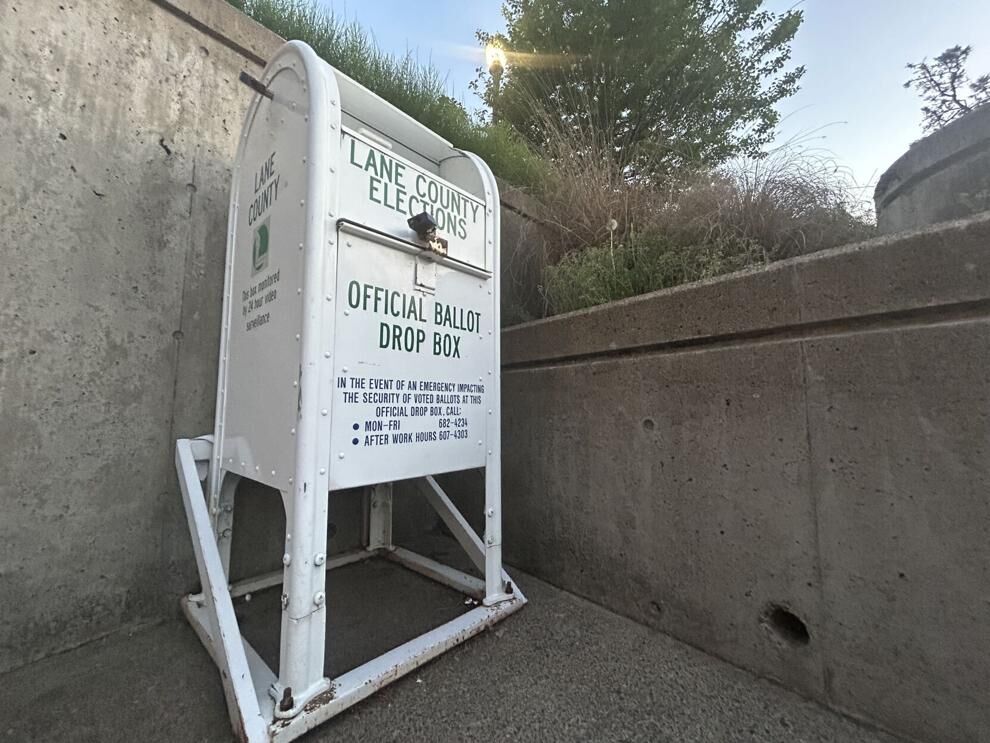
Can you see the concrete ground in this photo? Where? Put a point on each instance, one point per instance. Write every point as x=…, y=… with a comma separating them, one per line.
x=562, y=669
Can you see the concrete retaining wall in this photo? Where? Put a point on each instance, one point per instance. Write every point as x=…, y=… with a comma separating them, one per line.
x=944, y=176
x=811, y=438
x=119, y=122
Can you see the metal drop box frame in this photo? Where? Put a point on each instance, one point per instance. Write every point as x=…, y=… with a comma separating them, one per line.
x=351, y=356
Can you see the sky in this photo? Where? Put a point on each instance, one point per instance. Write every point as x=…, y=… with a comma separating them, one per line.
x=851, y=106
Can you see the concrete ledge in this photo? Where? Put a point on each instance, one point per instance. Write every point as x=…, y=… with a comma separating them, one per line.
x=944, y=176
x=224, y=23
x=933, y=267
x=806, y=442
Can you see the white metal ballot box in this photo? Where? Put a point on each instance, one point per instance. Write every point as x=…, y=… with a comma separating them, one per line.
x=360, y=345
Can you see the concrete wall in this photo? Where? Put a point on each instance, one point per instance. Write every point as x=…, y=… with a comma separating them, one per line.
x=944, y=176
x=812, y=437
x=119, y=122
x=118, y=126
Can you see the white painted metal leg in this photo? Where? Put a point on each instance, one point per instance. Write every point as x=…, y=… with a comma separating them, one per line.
x=452, y=518
x=225, y=517
x=380, y=516
x=242, y=704
x=494, y=580
x=304, y=602
x=487, y=555
x=267, y=580
x=467, y=584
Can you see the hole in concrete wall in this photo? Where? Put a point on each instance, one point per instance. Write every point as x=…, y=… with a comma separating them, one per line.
x=649, y=424
x=786, y=625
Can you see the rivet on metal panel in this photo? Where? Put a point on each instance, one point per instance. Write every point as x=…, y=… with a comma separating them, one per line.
x=319, y=597
x=333, y=125
x=340, y=456
x=333, y=101
x=489, y=412
x=479, y=442
x=290, y=481
x=242, y=464
x=323, y=470
x=349, y=243
x=490, y=512
x=331, y=168
x=319, y=559
x=329, y=298
x=299, y=290
x=285, y=605
x=323, y=412
x=326, y=354
x=347, y=312
x=344, y=370
x=295, y=382
x=257, y=468
x=302, y=202
x=305, y=118
x=230, y=460
x=300, y=246
x=489, y=541
x=304, y=159
x=273, y=473
x=489, y=452
x=297, y=336
x=286, y=559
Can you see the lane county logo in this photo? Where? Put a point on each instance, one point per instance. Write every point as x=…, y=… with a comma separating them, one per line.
x=259, y=249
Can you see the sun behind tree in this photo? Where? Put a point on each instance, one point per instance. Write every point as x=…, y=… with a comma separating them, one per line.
x=666, y=82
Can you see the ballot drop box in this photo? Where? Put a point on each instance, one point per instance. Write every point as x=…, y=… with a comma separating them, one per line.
x=359, y=346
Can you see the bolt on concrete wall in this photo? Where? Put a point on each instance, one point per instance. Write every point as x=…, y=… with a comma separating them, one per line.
x=787, y=468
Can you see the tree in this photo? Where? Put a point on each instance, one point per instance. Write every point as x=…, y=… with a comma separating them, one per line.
x=665, y=82
x=942, y=83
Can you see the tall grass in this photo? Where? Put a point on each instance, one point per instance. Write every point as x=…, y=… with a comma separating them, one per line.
x=414, y=87
x=618, y=235
x=608, y=231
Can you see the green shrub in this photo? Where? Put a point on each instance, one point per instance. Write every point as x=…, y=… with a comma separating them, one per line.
x=415, y=88
x=600, y=274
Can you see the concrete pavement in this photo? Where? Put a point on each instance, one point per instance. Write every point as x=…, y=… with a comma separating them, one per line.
x=563, y=669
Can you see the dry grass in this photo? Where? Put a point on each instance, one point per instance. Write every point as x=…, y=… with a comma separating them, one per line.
x=689, y=226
